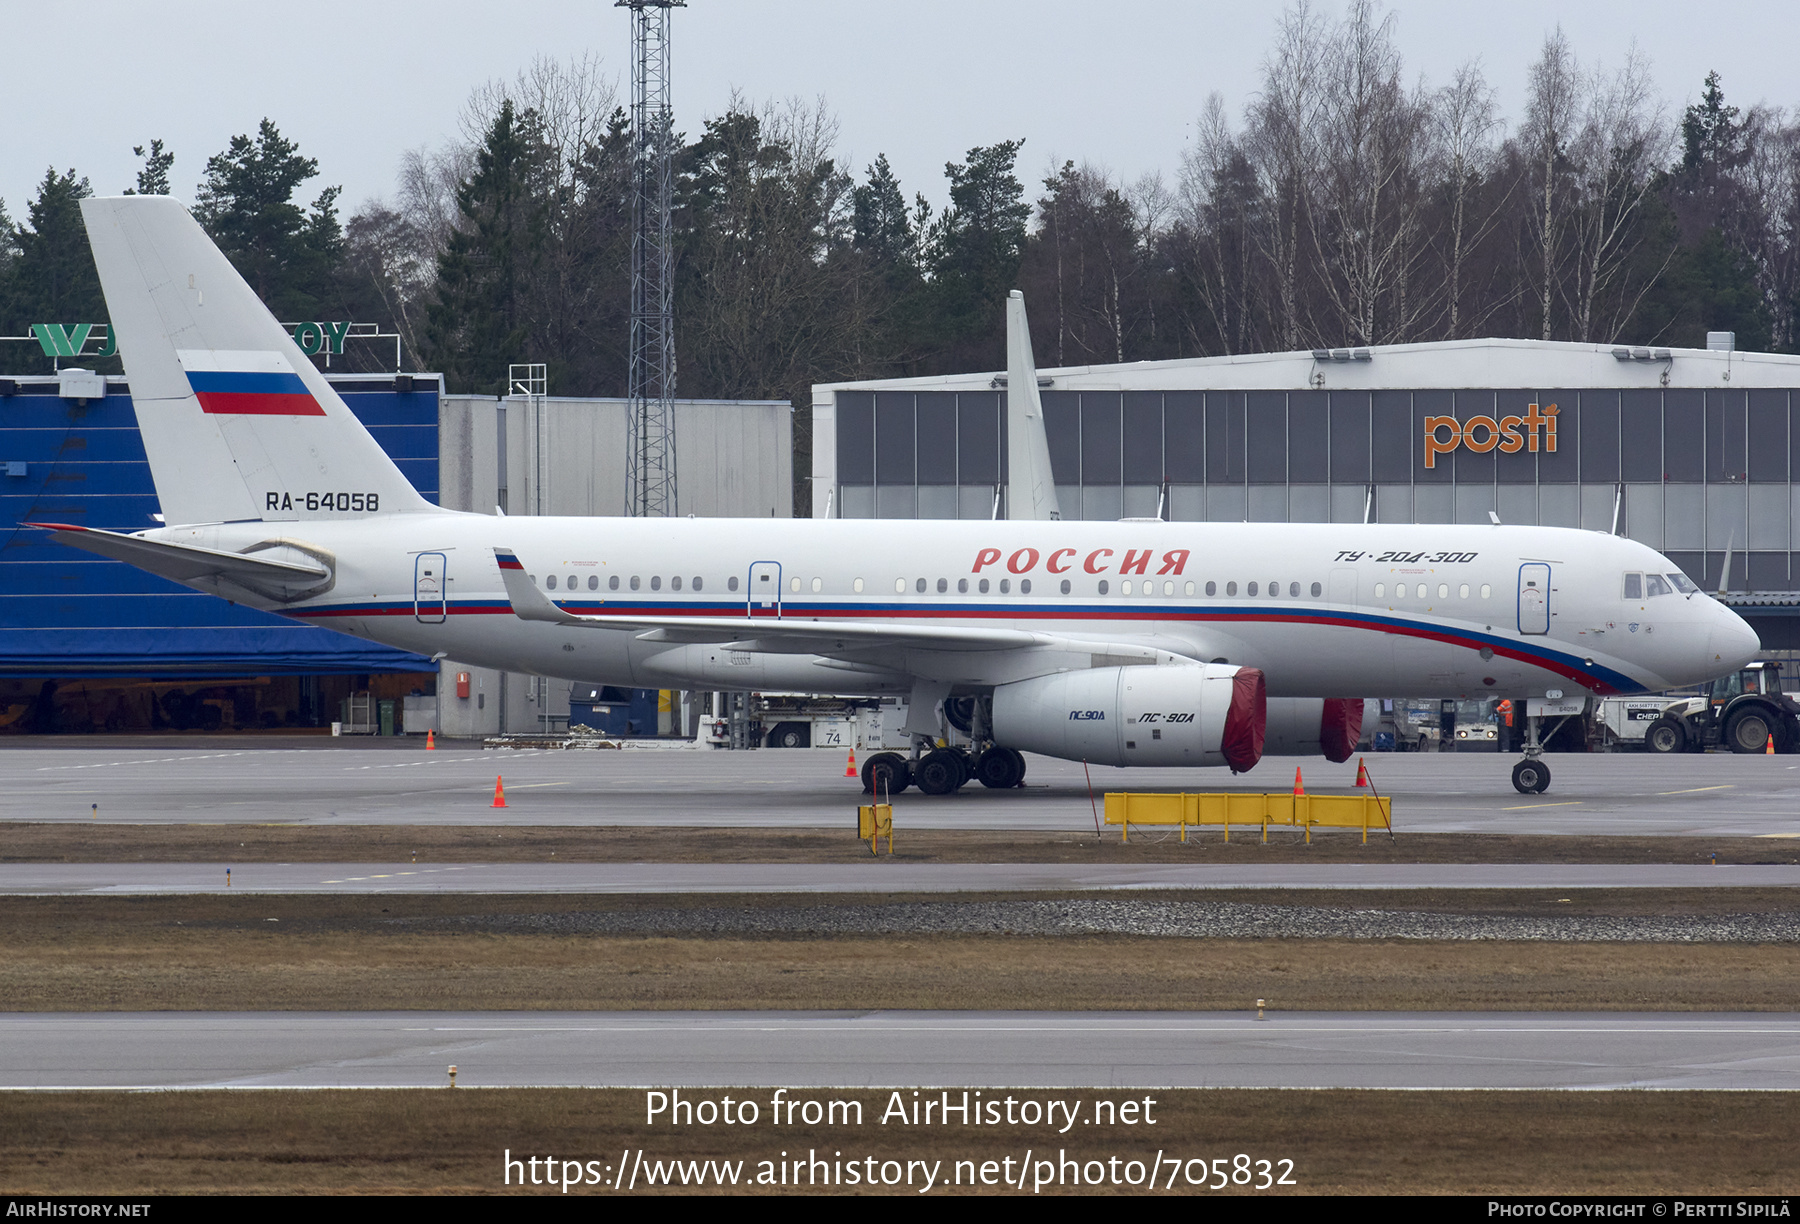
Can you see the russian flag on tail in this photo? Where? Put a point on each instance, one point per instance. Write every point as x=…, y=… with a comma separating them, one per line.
x=238, y=383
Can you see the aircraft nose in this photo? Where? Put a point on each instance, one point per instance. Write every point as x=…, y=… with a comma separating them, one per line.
x=1732, y=643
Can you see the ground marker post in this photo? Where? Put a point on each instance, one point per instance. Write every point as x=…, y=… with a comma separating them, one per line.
x=453, y=1075
x=499, y=793
x=1091, y=803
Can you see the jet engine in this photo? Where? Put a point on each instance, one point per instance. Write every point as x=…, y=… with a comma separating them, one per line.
x=1310, y=726
x=1198, y=714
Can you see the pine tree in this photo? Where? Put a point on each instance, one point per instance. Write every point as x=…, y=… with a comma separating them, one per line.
x=246, y=203
x=153, y=179
x=477, y=327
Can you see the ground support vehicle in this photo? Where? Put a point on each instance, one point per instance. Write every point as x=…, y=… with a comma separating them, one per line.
x=1745, y=712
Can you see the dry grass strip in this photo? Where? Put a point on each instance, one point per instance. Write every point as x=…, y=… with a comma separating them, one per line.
x=438, y=1141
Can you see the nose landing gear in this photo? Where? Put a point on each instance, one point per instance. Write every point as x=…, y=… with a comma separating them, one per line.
x=1531, y=776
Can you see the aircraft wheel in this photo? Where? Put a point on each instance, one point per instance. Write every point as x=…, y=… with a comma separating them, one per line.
x=939, y=772
x=1531, y=777
x=999, y=768
x=1748, y=731
x=1666, y=735
x=886, y=773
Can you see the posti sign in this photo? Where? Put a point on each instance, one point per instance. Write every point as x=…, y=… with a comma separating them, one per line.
x=1534, y=431
x=62, y=340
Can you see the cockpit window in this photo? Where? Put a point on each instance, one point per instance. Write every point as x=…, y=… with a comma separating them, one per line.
x=1656, y=586
x=1681, y=583
x=1634, y=586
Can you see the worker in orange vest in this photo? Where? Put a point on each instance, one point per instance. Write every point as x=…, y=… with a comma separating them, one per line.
x=1505, y=710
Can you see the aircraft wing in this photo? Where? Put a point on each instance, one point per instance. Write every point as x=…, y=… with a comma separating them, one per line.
x=181, y=562
x=772, y=635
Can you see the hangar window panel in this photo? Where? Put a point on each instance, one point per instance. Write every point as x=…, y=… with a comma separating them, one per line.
x=1727, y=517
x=1266, y=435
x=937, y=438
x=1309, y=503
x=938, y=501
x=1684, y=516
x=978, y=438
x=1640, y=435
x=1102, y=503
x=1391, y=437
x=1225, y=503
x=1768, y=516
x=1726, y=433
x=1472, y=466
x=1714, y=580
x=1349, y=437
x=1143, y=437
x=1559, y=505
x=1433, y=504
x=976, y=502
x=1562, y=465
x=1794, y=515
x=856, y=437
x=1184, y=436
x=1769, y=571
x=1643, y=517
x=1062, y=422
x=1224, y=437
x=1599, y=434
x=1520, y=467
x=1348, y=503
x=1768, y=436
x=1309, y=438
x=1393, y=503
x=1101, y=440
x=1473, y=502
x=1187, y=503
x=1436, y=403
x=1141, y=501
x=896, y=502
x=1268, y=503
x=856, y=501
x=895, y=430
x=1517, y=504
x=1684, y=437
x=1068, y=500
x=1597, y=502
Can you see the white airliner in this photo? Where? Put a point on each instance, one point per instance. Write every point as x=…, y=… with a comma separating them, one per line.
x=1123, y=643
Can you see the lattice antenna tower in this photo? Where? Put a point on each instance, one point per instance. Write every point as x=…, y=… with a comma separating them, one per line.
x=650, y=441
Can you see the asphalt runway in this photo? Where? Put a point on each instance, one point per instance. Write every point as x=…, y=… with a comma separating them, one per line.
x=873, y=876
x=324, y=782
x=950, y=1049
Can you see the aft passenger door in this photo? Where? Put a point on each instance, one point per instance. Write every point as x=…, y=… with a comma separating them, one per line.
x=764, y=596
x=429, y=588
x=1534, y=597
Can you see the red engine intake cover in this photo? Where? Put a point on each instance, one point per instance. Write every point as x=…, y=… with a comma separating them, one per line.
x=1340, y=726
x=1242, y=744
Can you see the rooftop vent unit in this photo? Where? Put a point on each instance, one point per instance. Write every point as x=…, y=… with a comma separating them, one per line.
x=1361, y=354
x=80, y=384
x=1721, y=342
x=1642, y=354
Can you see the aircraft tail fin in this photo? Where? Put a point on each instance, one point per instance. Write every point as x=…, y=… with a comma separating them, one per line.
x=236, y=421
x=1030, y=485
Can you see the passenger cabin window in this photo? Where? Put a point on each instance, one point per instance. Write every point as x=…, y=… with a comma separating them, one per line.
x=857, y=585
x=818, y=584
x=696, y=583
x=634, y=582
x=984, y=586
x=1024, y=586
x=1317, y=590
x=1634, y=586
x=1005, y=585
x=1105, y=586
x=612, y=584
x=1381, y=590
x=1065, y=586
x=1251, y=589
x=731, y=583
x=1231, y=588
x=962, y=586
x=656, y=583
x=1212, y=588
x=550, y=582
x=593, y=582
x=675, y=583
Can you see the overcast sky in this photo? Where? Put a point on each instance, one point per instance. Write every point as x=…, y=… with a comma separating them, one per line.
x=1115, y=84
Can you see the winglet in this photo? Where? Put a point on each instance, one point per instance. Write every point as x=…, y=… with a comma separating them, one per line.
x=528, y=603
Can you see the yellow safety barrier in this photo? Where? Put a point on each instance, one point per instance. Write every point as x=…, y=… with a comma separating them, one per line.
x=1363, y=812
x=874, y=821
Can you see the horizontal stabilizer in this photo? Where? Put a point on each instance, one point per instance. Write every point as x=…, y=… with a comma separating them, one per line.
x=185, y=562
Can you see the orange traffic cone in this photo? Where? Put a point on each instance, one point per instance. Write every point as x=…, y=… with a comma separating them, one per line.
x=1362, y=773
x=1769, y=748
x=499, y=793
x=1298, y=789
x=430, y=741
x=850, y=769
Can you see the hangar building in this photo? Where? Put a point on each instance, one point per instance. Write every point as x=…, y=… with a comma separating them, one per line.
x=1695, y=452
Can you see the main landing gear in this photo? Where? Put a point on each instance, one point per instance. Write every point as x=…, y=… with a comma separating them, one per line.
x=942, y=771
